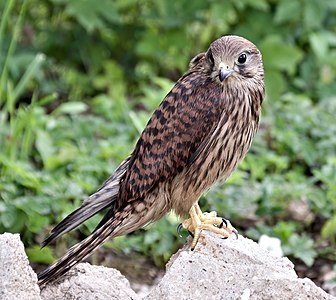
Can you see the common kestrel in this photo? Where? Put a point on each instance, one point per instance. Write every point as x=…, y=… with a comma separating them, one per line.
x=197, y=135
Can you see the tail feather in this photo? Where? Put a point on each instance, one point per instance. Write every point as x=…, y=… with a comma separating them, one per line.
x=79, y=252
x=79, y=216
x=103, y=198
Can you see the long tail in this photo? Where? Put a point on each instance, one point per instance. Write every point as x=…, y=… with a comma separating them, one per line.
x=79, y=251
x=124, y=221
x=103, y=198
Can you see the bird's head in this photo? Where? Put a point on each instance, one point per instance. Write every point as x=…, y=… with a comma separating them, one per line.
x=233, y=57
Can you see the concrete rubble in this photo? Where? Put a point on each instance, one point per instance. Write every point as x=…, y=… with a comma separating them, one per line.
x=216, y=269
x=232, y=269
x=90, y=282
x=17, y=278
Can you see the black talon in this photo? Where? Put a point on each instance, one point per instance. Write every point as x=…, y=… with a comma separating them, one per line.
x=191, y=234
x=236, y=233
x=223, y=222
x=179, y=229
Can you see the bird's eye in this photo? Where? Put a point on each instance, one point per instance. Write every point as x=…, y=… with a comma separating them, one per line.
x=242, y=58
x=210, y=57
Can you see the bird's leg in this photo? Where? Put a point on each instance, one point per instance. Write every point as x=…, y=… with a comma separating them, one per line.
x=208, y=221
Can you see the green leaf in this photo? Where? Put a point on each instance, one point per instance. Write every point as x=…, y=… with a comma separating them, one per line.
x=37, y=254
x=71, y=108
x=319, y=44
x=44, y=145
x=259, y=4
x=151, y=237
x=288, y=10
x=37, y=222
x=89, y=13
x=275, y=85
x=301, y=247
x=329, y=228
x=314, y=13
x=31, y=71
x=280, y=55
x=67, y=153
x=284, y=230
x=21, y=172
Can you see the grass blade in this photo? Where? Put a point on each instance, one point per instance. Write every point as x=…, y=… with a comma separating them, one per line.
x=31, y=70
x=11, y=49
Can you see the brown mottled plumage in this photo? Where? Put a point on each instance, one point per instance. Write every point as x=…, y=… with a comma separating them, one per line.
x=198, y=134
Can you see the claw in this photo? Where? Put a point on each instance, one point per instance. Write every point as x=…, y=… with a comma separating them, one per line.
x=205, y=221
x=179, y=227
x=179, y=230
x=223, y=222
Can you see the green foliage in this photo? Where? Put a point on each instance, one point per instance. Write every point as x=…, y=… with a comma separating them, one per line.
x=44, y=255
x=158, y=241
x=301, y=247
x=78, y=82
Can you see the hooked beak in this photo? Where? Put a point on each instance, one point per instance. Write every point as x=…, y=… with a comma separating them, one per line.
x=224, y=71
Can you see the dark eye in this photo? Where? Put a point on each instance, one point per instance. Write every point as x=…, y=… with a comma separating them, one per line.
x=210, y=57
x=242, y=58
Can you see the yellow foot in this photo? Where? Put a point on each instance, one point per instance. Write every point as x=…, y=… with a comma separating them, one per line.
x=208, y=221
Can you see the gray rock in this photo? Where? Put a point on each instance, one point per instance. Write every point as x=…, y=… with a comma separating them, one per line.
x=86, y=282
x=17, y=278
x=232, y=269
x=216, y=269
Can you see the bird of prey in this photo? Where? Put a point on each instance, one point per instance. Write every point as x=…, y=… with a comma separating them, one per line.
x=197, y=135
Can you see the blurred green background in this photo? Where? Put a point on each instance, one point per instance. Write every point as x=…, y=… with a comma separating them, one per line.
x=79, y=80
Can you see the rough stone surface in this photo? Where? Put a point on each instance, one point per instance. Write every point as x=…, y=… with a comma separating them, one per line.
x=216, y=269
x=17, y=278
x=86, y=282
x=232, y=269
